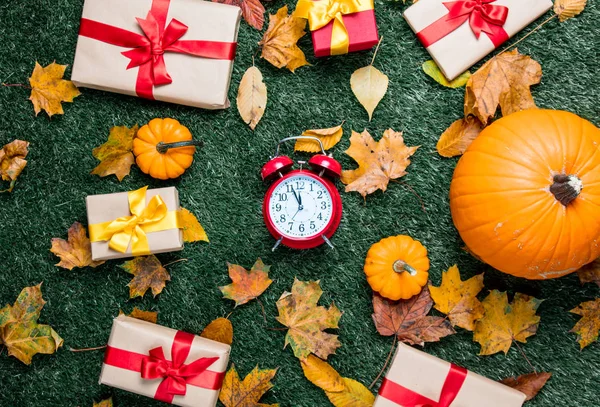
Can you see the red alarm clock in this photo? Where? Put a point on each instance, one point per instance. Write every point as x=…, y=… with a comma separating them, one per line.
x=302, y=208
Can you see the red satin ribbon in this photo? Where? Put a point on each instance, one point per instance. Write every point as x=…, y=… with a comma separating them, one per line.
x=148, y=49
x=408, y=398
x=175, y=375
x=482, y=17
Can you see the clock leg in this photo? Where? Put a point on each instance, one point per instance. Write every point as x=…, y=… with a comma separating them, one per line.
x=277, y=243
x=328, y=241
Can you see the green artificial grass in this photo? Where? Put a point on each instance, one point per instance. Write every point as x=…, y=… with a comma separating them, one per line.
x=224, y=189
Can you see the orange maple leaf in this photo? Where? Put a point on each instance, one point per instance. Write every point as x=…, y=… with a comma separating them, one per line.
x=247, y=284
x=48, y=89
x=279, y=41
x=246, y=393
x=76, y=251
x=148, y=273
x=378, y=162
x=220, y=330
x=588, y=327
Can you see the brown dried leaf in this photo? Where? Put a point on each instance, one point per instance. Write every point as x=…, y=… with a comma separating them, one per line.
x=192, y=229
x=116, y=155
x=76, y=251
x=567, y=9
x=329, y=137
x=590, y=273
x=252, y=97
x=246, y=393
x=504, y=81
x=407, y=319
x=12, y=161
x=455, y=140
x=220, y=330
x=588, y=327
x=148, y=316
x=49, y=89
x=252, y=10
x=279, y=41
x=307, y=321
x=378, y=162
x=528, y=384
x=503, y=323
x=148, y=273
x=246, y=285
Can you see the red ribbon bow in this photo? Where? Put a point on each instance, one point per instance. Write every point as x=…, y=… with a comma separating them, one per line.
x=175, y=374
x=148, y=50
x=408, y=398
x=481, y=14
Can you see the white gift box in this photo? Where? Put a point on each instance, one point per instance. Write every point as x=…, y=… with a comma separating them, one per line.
x=196, y=81
x=414, y=373
x=132, y=339
x=461, y=49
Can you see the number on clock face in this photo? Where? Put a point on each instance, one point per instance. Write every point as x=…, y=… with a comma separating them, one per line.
x=300, y=207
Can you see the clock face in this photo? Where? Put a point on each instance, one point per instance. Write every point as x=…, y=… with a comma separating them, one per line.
x=300, y=207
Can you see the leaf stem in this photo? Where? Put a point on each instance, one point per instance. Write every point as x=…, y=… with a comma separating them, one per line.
x=529, y=33
x=376, y=49
x=387, y=361
x=525, y=356
x=87, y=349
x=175, y=261
x=277, y=329
x=20, y=85
x=262, y=308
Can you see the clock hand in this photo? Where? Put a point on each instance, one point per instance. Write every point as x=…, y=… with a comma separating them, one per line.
x=296, y=196
x=300, y=199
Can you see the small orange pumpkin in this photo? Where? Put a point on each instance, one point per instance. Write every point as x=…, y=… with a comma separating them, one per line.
x=164, y=148
x=396, y=267
x=525, y=196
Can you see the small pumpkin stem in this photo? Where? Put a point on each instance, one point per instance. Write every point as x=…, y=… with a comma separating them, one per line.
x=164, y=147
x=400, y=266
x=566, y=188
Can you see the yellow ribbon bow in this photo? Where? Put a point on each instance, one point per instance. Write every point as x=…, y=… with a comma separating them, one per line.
x=132, y=229
x=319, y=13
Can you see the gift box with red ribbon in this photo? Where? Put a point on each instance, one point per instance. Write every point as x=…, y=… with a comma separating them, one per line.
x=417, y=379
x=165, y=364
x=339, y=26
x=178, y=51
x=458, y=34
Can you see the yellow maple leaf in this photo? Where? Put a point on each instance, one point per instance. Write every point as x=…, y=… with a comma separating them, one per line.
x=76, y=251
x=279, y=41
x=252, y=97
x=458, y=299
x=378, y=162
x=192, y=229
x=567, y=9
x=459, y=136
x=246, y=393
x=220, y=330
x=19, y=328
x=148, y=316
x=12, y=161
x=504, y=81
x=246, y=284
x=355, y=394
x=588, y=326
x=148, y=273
x=116, y=155
x=298, y=310
x=434, y=72
x=48, y=89
x=503, y=323
x=329, y=137
x=104, y=403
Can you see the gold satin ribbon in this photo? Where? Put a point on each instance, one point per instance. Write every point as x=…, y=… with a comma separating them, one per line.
x=319, y=13
x=132, y=229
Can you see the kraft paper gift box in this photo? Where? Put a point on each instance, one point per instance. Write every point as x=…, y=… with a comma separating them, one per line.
x=178, y=51
x=417, y=379
x=163, y=363
x=111, y=222
x=458, y=34
x=339, y=26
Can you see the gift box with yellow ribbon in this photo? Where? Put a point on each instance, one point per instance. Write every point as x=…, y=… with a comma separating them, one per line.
x=339, y=26
x=135, y=223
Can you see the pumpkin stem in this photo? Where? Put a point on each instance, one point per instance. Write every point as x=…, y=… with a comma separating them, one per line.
x=566, y=188
x=400, y=266
x=164, y=147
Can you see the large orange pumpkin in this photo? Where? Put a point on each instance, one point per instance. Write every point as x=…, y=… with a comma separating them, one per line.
x=525, y=196
x=164, y=148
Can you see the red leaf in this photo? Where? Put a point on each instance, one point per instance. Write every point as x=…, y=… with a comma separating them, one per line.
x=529, y=384
x=252, y=10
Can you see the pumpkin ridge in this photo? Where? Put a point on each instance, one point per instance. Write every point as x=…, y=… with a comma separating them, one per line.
x=519, y=163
